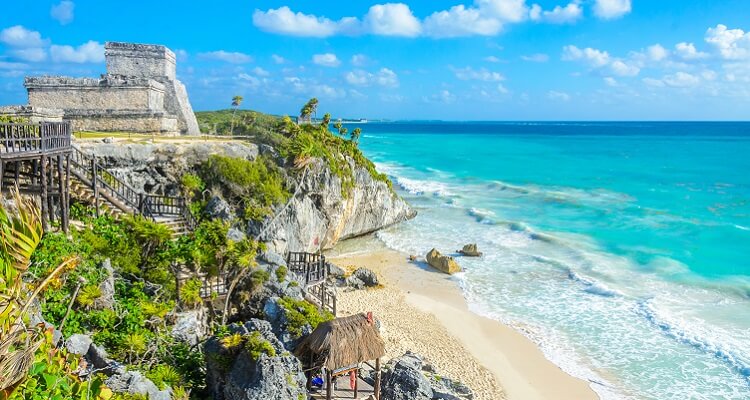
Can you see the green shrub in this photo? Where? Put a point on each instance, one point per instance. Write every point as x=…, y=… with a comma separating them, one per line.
x=258, y=184
x=300, y=313
x=190, y=292
x=88, y=295
x=192, y=183
x=256, y=345
x=281, y=272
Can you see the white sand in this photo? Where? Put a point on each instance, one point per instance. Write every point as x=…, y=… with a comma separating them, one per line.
x=424, y=311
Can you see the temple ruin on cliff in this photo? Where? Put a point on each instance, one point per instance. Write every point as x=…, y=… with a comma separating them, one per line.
x=139, y=93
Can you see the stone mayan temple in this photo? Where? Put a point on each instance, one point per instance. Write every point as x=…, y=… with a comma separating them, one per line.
x=139, y=93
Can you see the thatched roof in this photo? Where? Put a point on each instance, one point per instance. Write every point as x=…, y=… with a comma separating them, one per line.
x=342, y=342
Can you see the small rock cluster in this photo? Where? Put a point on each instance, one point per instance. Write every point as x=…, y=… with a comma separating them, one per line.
x=410, y=377
x=236, y=375
x=119, y=379
x=442, y=263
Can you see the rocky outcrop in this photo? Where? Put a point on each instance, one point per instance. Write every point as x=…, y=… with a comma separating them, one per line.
x=321, y=216
x=471, y=250
x=158, y=167
x=317, y=218
x=190, y=326
x=106, y=288
x=410, y=377
x=442, y=263
x=234, y=374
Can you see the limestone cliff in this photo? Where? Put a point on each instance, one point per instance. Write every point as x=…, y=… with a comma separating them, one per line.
x=318, y=216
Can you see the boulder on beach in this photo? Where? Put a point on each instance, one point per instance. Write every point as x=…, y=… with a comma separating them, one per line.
x=471, y=250
x=443, y=263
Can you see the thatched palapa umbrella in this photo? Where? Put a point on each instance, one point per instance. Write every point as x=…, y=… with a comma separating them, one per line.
x=340, y=345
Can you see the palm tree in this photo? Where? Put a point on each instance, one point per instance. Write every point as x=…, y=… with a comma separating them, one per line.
x=310, y=108
x=236, y=102
x=355, y=135
x=20, y=234
x=326, y=121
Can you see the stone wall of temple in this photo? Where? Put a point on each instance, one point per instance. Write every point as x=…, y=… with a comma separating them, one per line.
x=140, y=88
x=108, y=93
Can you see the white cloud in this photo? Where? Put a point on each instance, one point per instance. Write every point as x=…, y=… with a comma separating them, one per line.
x=89, y=52
x=248, y=80
x=558, y=96
x=226, y=56
x=326, y=60
x=681, y=80
x=261, y=72
x=502, y=89
x=687, y=51
x=312, y=88
x=181, y=55
x=461, y=21
x=653, y=82
x=492, y=59
x=392, y=19
x=504, y=10
x=360, y=60
x=678, y=80
x=610, y=81
x=445, y=96
x=278, y=59
x=732, y=44
x=657, y=52
x=384, y=77
x=610, y=9
x=483, y=74
x=63, y=12
x=594, y=57
x=284, y=21
x=34, y=54
x=621, y=68
x=12, y=65
x=558, y=15
x=538, y=58
x=18, y=36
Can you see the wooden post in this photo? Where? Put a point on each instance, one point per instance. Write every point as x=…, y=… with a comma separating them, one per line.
x=67, y=191
x=18, y=172
x=2, y=175
x=356, y=382
x=44, y=193
x=51, y=180
x=377, y=378
x=93, y=183
x=61, y=191
x=329, y=385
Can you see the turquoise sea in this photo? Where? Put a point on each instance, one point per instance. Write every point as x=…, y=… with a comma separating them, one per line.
x=622, y=249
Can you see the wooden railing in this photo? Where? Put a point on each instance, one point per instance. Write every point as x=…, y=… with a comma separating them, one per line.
x=131, y=200
x=324, y=297
x=19, y=140
x=309, y=266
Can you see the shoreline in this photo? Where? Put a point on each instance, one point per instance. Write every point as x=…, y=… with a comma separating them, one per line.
x=424, y=310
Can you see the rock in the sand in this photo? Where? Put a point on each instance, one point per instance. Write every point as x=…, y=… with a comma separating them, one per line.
x=404, y=379
x=367, y=276
x=443, y=263
x=413, y=258
x=471, y=250
x=335, y=271
x=412, y=377
x=354, y=282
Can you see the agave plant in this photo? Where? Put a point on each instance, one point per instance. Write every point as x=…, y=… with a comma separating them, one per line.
x=20, y=234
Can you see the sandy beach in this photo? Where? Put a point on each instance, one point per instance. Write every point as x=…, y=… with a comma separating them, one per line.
x=423, y=310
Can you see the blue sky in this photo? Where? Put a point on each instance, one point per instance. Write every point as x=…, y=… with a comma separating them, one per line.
x=439, y=59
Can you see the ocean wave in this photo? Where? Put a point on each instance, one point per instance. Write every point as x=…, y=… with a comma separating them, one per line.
x=681, y=332
x=422, y=187
x=742, y=228
x=482, y=216
x=591, y=286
